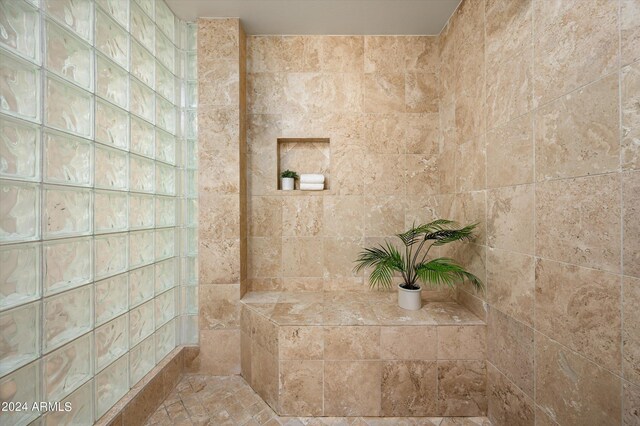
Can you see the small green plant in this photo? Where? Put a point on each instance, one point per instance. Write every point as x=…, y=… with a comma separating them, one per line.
x=289, y=174
x=414, y=265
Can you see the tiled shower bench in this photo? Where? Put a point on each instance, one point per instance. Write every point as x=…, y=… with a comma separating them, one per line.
x=358, y=354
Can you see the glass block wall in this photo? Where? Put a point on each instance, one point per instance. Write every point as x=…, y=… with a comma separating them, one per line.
x=97, y=200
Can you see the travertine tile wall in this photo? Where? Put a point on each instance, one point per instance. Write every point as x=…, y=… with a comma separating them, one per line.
x=541, y=102
x=221, y=193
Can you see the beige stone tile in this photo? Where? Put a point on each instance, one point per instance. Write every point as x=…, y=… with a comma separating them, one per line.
x=631, y=224
x=302, y=257
x=298, y=313
x=302, y=216
x=384, y=54
x=451, y=313
x=384, y=216
x=352, y=388
x=350, y=312
x=343, y=92
x=462, y=388
x=385, y=133
x=219, y=352
x=302, y=284
x=384, y=174
x=226, y=268
x=506, y=403
x=470, y=167
x=415, y=342
x=264, y=257
x=342, y=54
x=427, y=208
x=264, y=333
x=409, y=388
x=585, y=231
x=218, y=38
x=421, y=53
x=421, y=92
x=509, y=88
x=300, y=342
x=584, y=316
x=462, y=342
x=348, y=167
x=218, y=150
x=630, y=404
x=508, y=29
x=426, y=174
x=511, y=350
x=392, y=314
x=351, y=343
x=384, y=92
x=629, y=31
x=630, y=102
x=339, y=256
x=575, y=43
x=265, y=93
x=275, y=53
x=572, y=390
x=421, y=133
x=218, y=83
x=510, y=214
x=219, y=306
x=264, y=374
x=300, y=391
x=265, y=216
x=343, y=216
x=631, y=330
x=222, y=213
x=511, y=283
x=510, y=153
x=245, y=355
x=144, y=404
x=468, y=208
x=578, y=134
x=473, y=303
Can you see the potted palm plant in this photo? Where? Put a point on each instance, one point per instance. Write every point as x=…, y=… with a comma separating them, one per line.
x=288, y=180
x=414, y=266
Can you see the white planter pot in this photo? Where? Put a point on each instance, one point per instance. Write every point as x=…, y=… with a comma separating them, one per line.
x=409, y=299
x=288, y=184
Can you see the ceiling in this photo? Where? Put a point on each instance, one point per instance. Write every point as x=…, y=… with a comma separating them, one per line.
x=327, y=17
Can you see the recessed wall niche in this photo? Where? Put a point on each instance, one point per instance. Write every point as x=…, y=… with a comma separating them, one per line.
x=305, y=155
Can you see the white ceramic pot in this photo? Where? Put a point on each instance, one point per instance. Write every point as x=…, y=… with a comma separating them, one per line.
x=287, y=184
x=409, y=299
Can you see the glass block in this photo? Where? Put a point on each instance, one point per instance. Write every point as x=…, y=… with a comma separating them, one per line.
x=68, y=108
x=165, y=20
x=191, y=266
x=118, y=9
x=189, y=330
x=67, y=368
x=112, y=341
x=165, y=147
x=68, y=56
x=111, y=298
x=192, y=212
x=110, y=211
x=112, y=125
x=111, y=385
x=165, y=307
x=19, y=149
x=20, y=212
x=192, y=94
x=66, y=264
x=189, y=300
x=67, y=316
x=165, y=340
x=142, y=27
x=112, y=81
x=111, y=253
x=192, y=154
x=165, y=243
x=20, y=88
x=19, y=329
x=147, y=6
x=111, y=168
x=142, y=137
x=142, y=174
x=192, y=66
x=141, y=211
x=67, y=159
x=75, y=14
x=142, y=101
x=19, y=275
x=141, y=285
x=141, y=248
x=192, y=183
x=192, y=241
x=165, y=275
x=165, y=82
x=165, y=179
x=192, y=36
x=165, y=51
x=140, y=322
x=141, y=360
x=82, y=408
x=111, y=39
x=67, y=212
x=21, y=386
x=20, y=29
x=165, y=115
x=181, y=67
x=142, y=64
x=191, y=124
x=165, y=211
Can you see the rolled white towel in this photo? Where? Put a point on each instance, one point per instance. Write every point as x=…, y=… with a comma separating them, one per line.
x=311, y=186
x=311, y=178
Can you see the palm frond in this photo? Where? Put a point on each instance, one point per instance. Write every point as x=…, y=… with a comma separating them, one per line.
x=444, y=271
x=384, y=260
x=446, y=236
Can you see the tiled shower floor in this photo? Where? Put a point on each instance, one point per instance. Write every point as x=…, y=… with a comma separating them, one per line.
x=230, y=401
